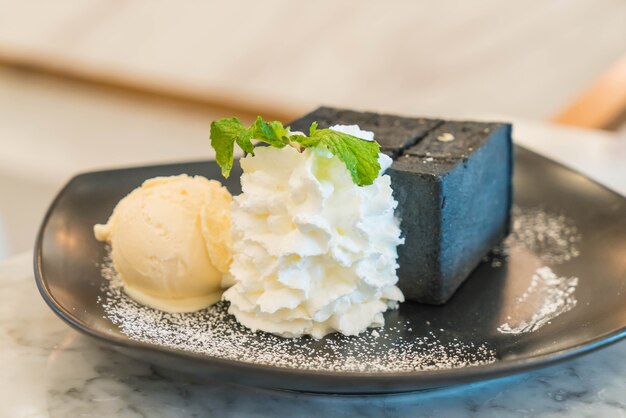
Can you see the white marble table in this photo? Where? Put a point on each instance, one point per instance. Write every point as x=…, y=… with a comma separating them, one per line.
x=48, y=369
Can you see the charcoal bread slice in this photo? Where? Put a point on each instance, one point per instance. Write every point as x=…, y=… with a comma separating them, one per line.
x=454, y=197
x=452, y=181
x=394, y=133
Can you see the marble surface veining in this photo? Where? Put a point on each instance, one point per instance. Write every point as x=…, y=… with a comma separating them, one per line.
x=50, y=370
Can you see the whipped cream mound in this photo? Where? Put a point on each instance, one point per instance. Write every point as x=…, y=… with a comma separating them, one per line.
x=313, y=253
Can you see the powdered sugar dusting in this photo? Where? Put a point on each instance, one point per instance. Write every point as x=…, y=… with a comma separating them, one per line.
x=554, y=239
x=546, y=297
x=216, y=333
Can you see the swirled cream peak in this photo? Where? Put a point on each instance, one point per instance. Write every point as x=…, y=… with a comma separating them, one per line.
x=313, y=253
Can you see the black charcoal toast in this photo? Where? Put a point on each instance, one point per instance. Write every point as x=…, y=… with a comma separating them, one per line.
x=453, y=184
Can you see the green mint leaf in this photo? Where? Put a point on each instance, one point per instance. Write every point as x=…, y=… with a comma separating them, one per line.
x=359, y=156
x=244, y=140
x=273, y=133
x=280, y=131
x=305, y=141
x=224, y=133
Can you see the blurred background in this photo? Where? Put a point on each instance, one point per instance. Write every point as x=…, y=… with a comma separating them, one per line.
x=91, y=84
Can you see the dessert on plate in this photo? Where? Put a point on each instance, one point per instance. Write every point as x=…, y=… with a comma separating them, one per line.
x=342, y=216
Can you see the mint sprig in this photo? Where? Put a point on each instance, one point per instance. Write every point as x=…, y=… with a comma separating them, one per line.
x=359, y=156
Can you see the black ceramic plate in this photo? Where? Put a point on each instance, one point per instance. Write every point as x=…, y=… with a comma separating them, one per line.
x=68, y=277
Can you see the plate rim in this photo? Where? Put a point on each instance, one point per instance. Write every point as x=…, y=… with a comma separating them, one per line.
x=470, y=373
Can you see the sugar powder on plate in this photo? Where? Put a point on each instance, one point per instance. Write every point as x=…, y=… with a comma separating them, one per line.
x=554, y=239
x=216, y=333
x=547, y=296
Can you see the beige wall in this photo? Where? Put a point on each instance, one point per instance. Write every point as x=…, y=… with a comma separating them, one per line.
x=445, y=58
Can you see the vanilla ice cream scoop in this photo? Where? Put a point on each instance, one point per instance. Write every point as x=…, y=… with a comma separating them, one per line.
x=170, y=242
